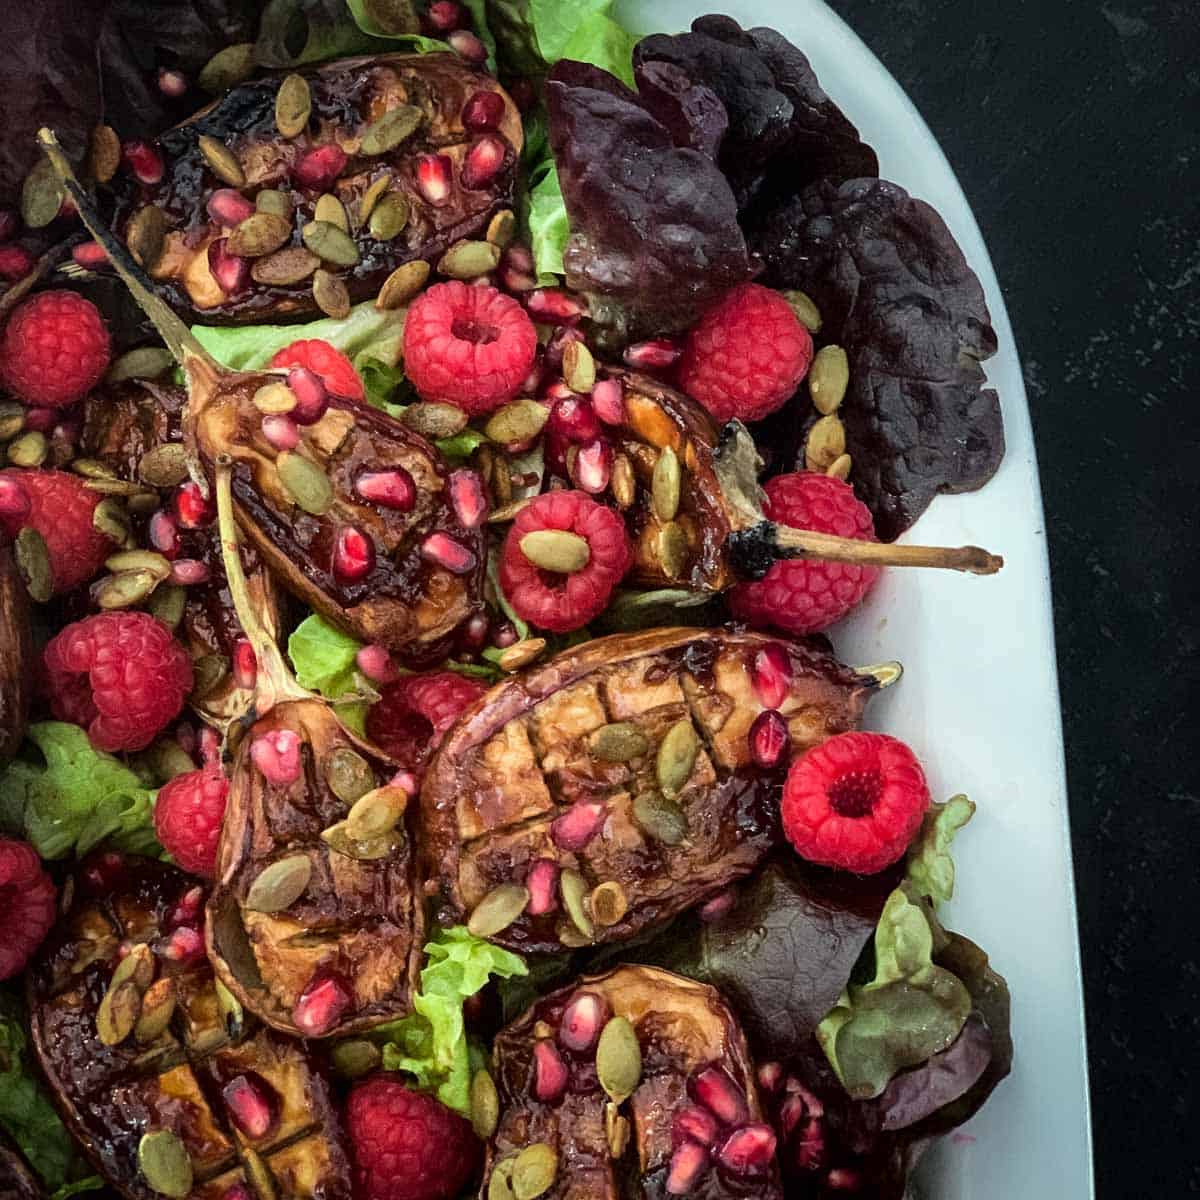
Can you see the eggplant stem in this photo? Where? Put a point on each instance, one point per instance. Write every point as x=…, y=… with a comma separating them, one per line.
x=885, y=674
x=826, y=547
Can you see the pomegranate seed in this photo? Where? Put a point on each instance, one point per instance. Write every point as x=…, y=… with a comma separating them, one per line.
x=748, y=1151
x=694, y=1124
x=192, y=509
x=172, y=83
x=771, y=675
x=504, y=635
x=319, y=167
x=375, y=662
x=105, y=873
x=464, y=43
x=245, y=665
x=483, y=112
x=281, y=431
x=768, y=738
x=578, y=825
x=484, y=161
x=15, y=262
x=434, y=175
x=659, y=354
x=442, y=549
x=9, y=223
x=791, y=1113
x=143, y=161
x=719, y=906
x=66, y=208
x=321, y=1005
x=549, y=1072
x=41, y=420
x=90, y=256
x=688, y=1163
x=467, y=496
x=520, y=257
x=608, y=401
x=277, y=756
x=231, y=272
x=389, y=489
x=183, y=945
x=252, y=1104
x=542, y=882
x=562, y=337
x=843, y=1179
x=551, y=304
x=188, y=572
x=770, y=1076
x=187, y=909
x=353, y=555
x=515, y=280
x=239, y=1191
x=474, y=633
x=592, y=468
x=210, y=746
x=444, y=16
x=574, y=418
x=312, y=398
x=584, y=1017
x=712, y=1087
x=15, y=504
x=229, y=207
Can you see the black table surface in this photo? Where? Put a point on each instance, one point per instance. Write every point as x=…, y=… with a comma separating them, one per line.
x=1074, y=127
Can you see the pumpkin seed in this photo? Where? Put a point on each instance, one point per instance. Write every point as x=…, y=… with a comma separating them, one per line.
x=124, y=590
x=660, y=818
x=434, y=420
x=522, y=654
x=222, y=161
x=371, y=197
x=143, y=503
x=146, y=362
x=520, y=421
x=259, y=234
x=140, y=560
x=330, y=208
x=278, y=203
x=502, y=228
x=210, y=671
x=609, y=903
x=279, y=885
x=466, y=260
x=92, y=468
x=167, y=759
x=305, y=482
x=534, y=1171
x=556, y=550
x=167, y=604
x=805, y=309
x=292, y=264
x=574, y=889
x=676, y=757
x=259, y=1174
x=117, y=487
x=104, y=153
x=28, y=450
x=137, y=967
x=331, y=295
x=349, y=776
x=227, y=68
x=616, y=1130
x=826, y=444
x=623, y=482
x=500, y=1184
x=355, y=1057
x=664, y=485
x=118, y=1013
x=41, y=195
x=502, y=484
x=337, y=838
x=579, y=367
x=158, y=1005
x=396, y=126
x=840, y=467
x=828, y=379
x=12, y=419
x=330, y=243
x=275, y=398
x=485, y=1105
x=619, y=742
x=619, y=1060
x=389, y=217
x=498, y=910
x=402, y=285
x=33, y=562
x=293, y=106
x=230, y=1009
x=164, y=1163
x=110, y=518
x=146, y=235
x=376, y=813
x=673, y=549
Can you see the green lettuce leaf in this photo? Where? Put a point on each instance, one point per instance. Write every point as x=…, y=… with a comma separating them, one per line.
x=547, y=218
x=427, y=45
x=461, y=446
x=930, y=865
x=382, y=384
x=93, y=1183
x=432, y=1044
x=77, y=798
x=323, y=657
x=602, y=42
x=293, y=32
x=556, y=21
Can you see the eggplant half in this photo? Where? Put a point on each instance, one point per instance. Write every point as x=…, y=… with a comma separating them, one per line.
x=16, y=656
x=635, y=1084
x=616, y=785
x=169, y=1088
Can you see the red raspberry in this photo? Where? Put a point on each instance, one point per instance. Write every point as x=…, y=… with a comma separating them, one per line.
x=188, y=815
x=470, y=346
x=800, y=595
x=325, y=360
x=855, y=802
x=61, y=509
x=27, y=903
x=54, y=350
x=413, y=714
x=564, y=602
x=406, y=1145
x=120, y=675
x=747, y=356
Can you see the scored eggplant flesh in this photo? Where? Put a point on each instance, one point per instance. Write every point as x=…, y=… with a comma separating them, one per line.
x=524, y=757
x=112, y=1095
x=347, y=96
x=16, y=656
x=693, y=1052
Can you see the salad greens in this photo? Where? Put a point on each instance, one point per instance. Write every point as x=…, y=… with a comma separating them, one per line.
x=930, y=865
x=324, y=660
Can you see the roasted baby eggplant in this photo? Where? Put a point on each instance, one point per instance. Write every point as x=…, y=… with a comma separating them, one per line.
x=633, y=1084
x=622, y=781
x=168, y=1088
x=241, y=217
x=16, y=654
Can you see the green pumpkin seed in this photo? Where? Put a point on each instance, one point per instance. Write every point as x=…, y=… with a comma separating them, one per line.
x=677, y=757
x=389, y=217
x=33, y=562
x=664, y=485
x=519, y=421
x=609, y=903
x=110, y=517
x=500, y=1184
x=146, y=362
x=828, y=379
x=118, y=1013
x=158, y=1006
x=522, y=654
x=28, y=450
x=395, y=127
x=280, y=885
x=305, y=482
x=156, y=564
x=371, y=197
x=826, y=443
x=329, y=242
x=338, y=839
x=259, y=234
x=534, y=1171
x=616, y=1130
x=466, y=260
x=275, y=202
x=349, y=775
x=331, y=295
x=502, y=228
x=136, y=967
x=227, y=68
x=167, y=604
x=41, y=195
x=168, y=759
x=12, y=419
x=230, y=1009
x=117, y=487
x=275, y=398
x=92, y=468
x=579, y=367
x=498, y=910
x=293, y=106
x=805, y=309
x=434, y=420
x=209, y=671
x=355, y=1057
x=485, y=1105
x=330, y=208
x=556, y=550
x=146, y=235
x=259, y=1175
x=660, y=818
x=574, y=890
x=292, y=264
x=619, y=742
x=673, y=549
x=124, y=590
x=104, y=153
x=164, y=1163
x=402, y=285
x=222, y=161
x=376, y=813
x=619, y=1060
x=623, y=482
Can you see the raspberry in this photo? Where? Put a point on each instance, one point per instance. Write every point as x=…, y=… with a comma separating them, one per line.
x=120, y=675
x=54, y=350
x=61, y=509
x=470, y=346
x=855, y=802
x=27, y=901
x=747, y=356
x=325, y=360
x=413, y=714
x=188, y=815
x=406, y=1145
x=564, y=602
x=801, y=595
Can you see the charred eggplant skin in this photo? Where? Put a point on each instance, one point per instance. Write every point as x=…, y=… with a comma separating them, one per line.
x=16, y=655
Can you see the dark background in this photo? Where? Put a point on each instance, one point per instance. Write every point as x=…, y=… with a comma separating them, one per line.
x=1074, y=127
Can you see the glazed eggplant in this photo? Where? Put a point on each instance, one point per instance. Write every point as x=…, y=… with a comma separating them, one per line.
x=16, y=653
x=170, y=1090
x=375, y=147
x=622, y=781
x=635, y=1084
